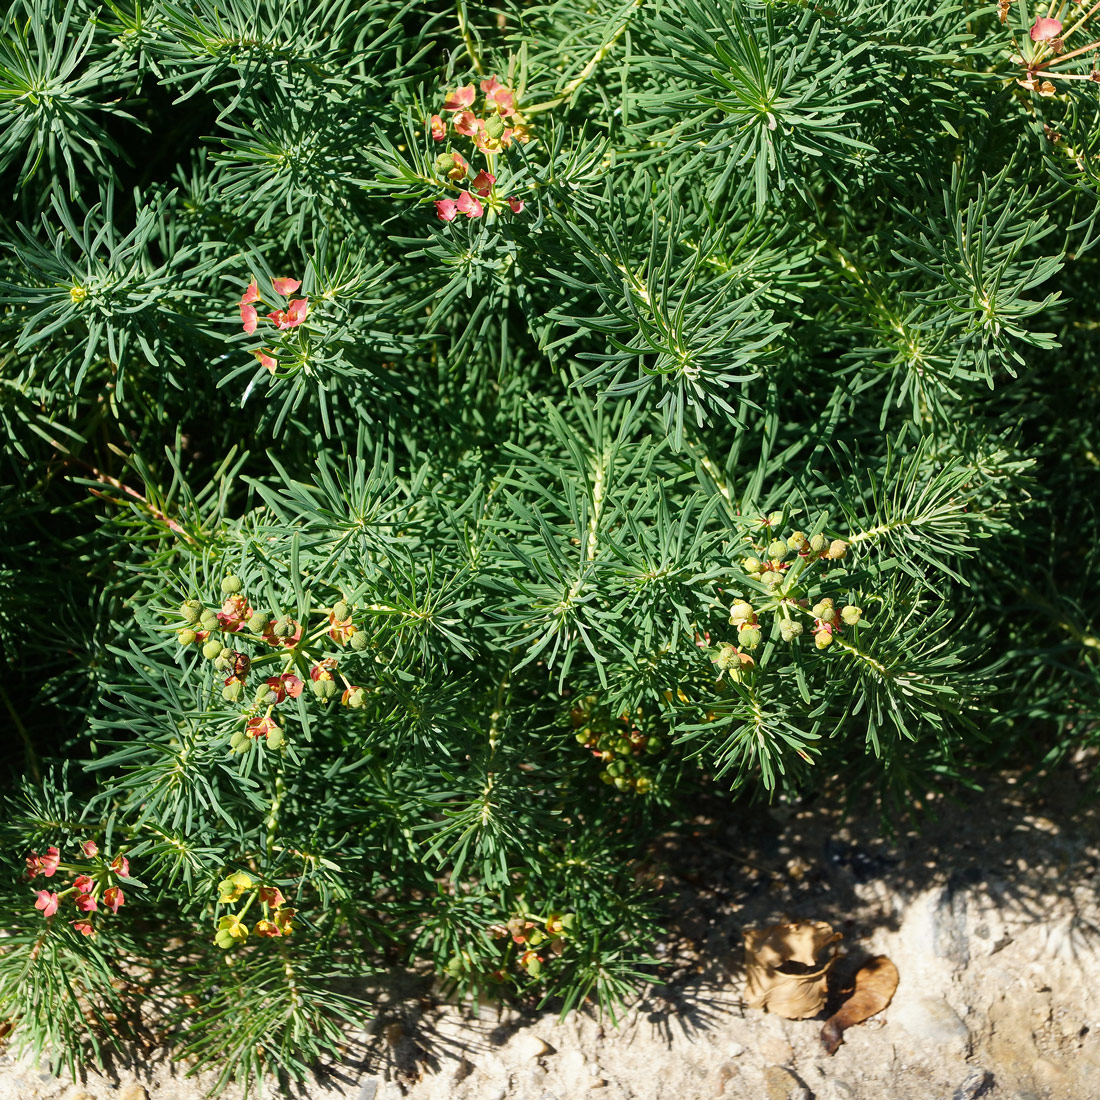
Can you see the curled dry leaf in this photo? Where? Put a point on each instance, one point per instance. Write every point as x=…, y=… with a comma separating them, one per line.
x=787, y=967
x=874, y=987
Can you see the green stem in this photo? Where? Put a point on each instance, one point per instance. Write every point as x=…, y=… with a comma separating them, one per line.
x=468, y=38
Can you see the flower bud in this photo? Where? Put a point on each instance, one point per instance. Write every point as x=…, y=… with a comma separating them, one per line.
x=257, y=624
x=823, y=639
x=741, y=611
x=777, y=550
x=231, y=584
x=750, y=636
x=751, y=566
x=817, y=543
x=186, y=636
x=851, y=614
x=775, y=519
x=340, y=610
x=212, y=649
x=838, y=549
x=797, y=540
x=789, y=629
x=191, y=611
x=323, y=689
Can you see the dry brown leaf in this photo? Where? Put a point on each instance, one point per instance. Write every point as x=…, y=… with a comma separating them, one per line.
x=787, y=967
x=874, y=988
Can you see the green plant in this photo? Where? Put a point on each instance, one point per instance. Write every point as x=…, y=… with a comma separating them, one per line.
x=443, y=441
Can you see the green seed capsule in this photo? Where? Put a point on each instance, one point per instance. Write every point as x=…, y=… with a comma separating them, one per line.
x=275, y=738
x=777, y=550
x=191, y=611
x=797, y=541
x=340, y=611
x=359, y=641
x=851, y=614
x=622, y=746
x=232, y=692
x=582, y=737
x=186, y=636
x=750, y=636
x=818, y=543
x=789, y=630
x=231, y=584
x=212, y=649
x=258, y=622
x=751, y=566
x=209, y=620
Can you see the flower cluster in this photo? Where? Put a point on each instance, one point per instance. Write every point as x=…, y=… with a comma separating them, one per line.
x=550, y=934
x=1043, y=53
x=93, y=884
x=491, y=130
x=782, y=569
x=277, y=917
x=293, y=314
x=620, y=745
x=297, y=653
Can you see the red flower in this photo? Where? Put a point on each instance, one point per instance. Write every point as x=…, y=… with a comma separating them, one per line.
x=285, y=287
x=517, y=205
x=284, y=685
x=86, y=903
x=467, y=123
x=273, y=896
x=121, y=866
x=47, y=902
x=248, y=310
x=483, y=183
x=460, y=98
x=234, y=614
x=34, y=864
x=446, y=210
x=1044, y=30
x=490, y=86
x=113, y=898
x=323, y=669
x=266, y=359
x=439, y=128
x=266, y=928
x=50, y=861
x=84, y=884
x=340, y=630
x=260, y=727
x=84, y=927
x=90, y=849
x=282, y=918
x=292, y=316
x=469, y=206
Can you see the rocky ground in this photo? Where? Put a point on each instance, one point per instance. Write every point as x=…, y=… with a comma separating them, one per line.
x=990, y=913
